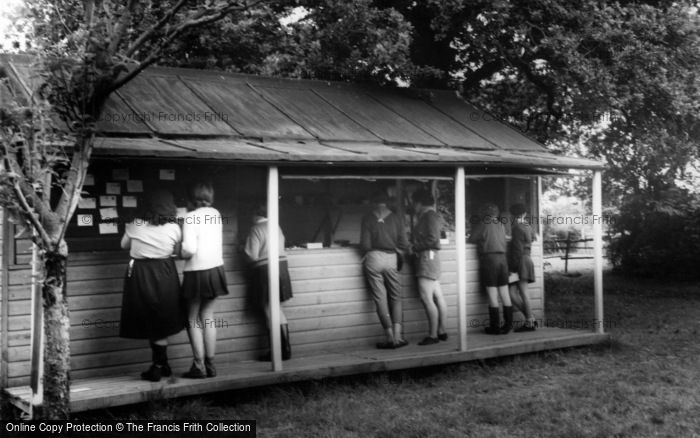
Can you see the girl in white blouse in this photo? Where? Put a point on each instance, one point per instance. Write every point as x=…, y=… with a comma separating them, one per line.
x=151, y=304
x=204, y=277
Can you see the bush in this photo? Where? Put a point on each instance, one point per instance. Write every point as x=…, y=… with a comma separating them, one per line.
x=657, y=236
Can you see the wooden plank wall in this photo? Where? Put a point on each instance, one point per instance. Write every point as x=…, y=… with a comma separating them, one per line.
x=3, y=298
x=331, y=310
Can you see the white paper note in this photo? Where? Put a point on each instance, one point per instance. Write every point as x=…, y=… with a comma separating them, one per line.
x=108, y=201
x=87, y=203
x=84, y=220
x=134, y=186
x=108, y=213
x=113, y=188
x=129, y=202
x=108, y=228
x=167, y=174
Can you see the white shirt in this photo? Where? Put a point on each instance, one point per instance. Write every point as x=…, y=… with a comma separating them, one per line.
x=256, y=244
x=146, y=241
x=202, y=239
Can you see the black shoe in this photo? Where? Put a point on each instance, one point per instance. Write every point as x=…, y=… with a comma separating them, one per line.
x=429, y=341
x=492, y=331
x=286, y=344
x=195, y=373
x=505, y=330
x=442, y=336
x=155, y=372
x=494, y=327
x=209, y=367
x=508, y=320
x=400, y=343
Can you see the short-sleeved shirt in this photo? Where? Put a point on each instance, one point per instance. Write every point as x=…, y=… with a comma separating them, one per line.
x=146, y=241
x=202, y=236
x=256, y=245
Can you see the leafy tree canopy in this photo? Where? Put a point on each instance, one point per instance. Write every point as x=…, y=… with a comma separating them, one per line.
x=614, y=80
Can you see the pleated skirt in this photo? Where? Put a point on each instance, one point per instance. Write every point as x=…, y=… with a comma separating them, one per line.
x=152, y=306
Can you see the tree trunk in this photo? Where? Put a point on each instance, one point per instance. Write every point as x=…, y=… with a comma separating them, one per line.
x=57, y=339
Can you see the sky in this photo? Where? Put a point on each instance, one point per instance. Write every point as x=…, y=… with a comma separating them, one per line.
x=8, y=15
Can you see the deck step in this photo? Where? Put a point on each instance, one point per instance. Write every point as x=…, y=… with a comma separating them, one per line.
x=105, y=392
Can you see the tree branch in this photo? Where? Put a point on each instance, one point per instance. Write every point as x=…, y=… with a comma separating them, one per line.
x=30, y=213
x=71, y=196
x=198, y=19
x=121, y=26
x=149, y=33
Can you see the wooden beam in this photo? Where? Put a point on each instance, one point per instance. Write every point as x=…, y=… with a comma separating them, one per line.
x=537, y=201
x=461, y=247
x=598, y=250
x=274, y=265
x=313, y=176
x=37, y=335
x=7, y=238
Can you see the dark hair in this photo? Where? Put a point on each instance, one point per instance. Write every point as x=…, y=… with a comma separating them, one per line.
x=423, y=197
x=202, y=194
x=159, y=207
x=489, y=209
x=260, y=209
x=380, y=197
x=518, y=209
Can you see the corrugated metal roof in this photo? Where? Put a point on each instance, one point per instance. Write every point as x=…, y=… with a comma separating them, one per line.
x=207, y=114
x=326, y=153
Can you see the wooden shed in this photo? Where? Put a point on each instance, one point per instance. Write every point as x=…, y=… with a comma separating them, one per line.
x=314, y=151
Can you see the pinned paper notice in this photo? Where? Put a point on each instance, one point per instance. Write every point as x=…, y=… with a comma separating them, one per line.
x=108, y=228
x=108, y=201
x=167, y=174
x=113, y=188
x=89, y=180
x=129, y=202
x=120, y=174
x=134, y=186
x=84, y=220
x=108, y=213
x=87, y=203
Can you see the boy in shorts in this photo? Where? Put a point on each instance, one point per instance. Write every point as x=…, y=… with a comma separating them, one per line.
x=490, y=236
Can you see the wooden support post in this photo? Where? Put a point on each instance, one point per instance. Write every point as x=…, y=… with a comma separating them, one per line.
x=36, y=378
x=7, y=238
x=274, y=265
x=536, y=219
x=598, y=250
x=461, y=247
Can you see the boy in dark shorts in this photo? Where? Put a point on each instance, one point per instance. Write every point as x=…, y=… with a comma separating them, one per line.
x=490, y=236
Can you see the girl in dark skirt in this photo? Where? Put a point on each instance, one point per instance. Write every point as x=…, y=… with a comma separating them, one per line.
x=151, y=306
x=256, y=249
x=520, y=262
x=204, y=277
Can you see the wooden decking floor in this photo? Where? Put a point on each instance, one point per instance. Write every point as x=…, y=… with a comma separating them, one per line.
x=98, y=393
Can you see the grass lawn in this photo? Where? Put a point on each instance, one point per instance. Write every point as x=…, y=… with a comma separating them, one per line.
x=646, y=382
